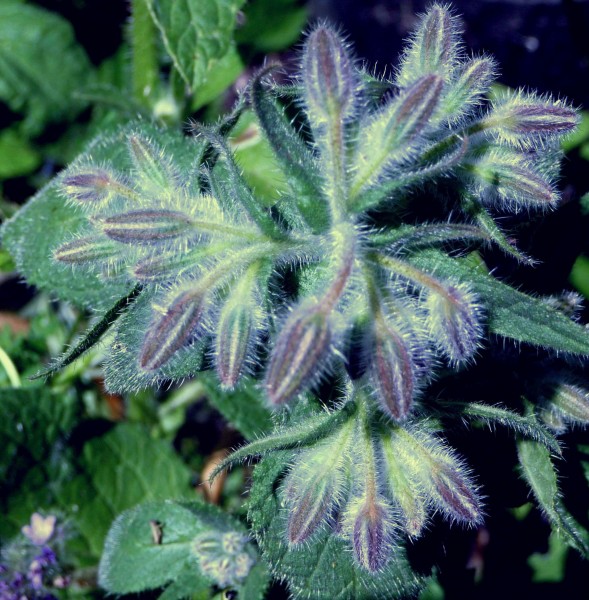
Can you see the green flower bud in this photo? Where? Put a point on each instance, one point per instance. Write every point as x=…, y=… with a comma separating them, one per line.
x=86, y=250
x=94, y=185
x=154, y=172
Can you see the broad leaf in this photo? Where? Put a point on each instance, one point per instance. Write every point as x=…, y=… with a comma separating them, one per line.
x=41, y=64
x=157, y=543
x=17, y=156
x=46, y=221
x=196, y=34
x=539, y=472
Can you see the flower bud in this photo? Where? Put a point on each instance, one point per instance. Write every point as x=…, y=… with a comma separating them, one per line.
x=571, y=401
x=86, y=250
x=433, y=47
x=328, y=76
x=521, y=118
x=172, y=328
x=453, y=320
x=146, y=226
x=299, y=353
x=93, y=185
x=393, y=372
x=454, y=493
x=235, y=336
x=372, y=532
x=154, y=172
x=506, y=176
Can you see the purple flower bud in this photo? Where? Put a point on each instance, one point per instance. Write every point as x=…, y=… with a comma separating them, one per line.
x=393, y=372
x=93, y=184
x=328, y=76
x=455, y=494
x=146, y=226
x=299, y=354
x=453, y=318
x=172, y=329
x=372, y=533
x=571, y=401
x=470, y=84
x=85, y=250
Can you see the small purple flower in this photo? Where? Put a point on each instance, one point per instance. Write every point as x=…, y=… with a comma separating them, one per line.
x=40, y=530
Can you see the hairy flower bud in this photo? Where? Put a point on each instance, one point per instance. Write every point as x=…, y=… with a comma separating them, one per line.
x=146, y=226
x=453, y=319
x=372, y=532
x=299, y=353
x=154, y=172
x=172, y=328
x=507, y=177
x=93, y=185
x=520, y=118
x=328, y=76
x=236, y=331
x=393, y=372
x=85, y=250
x=433, y=47
x=571, y=401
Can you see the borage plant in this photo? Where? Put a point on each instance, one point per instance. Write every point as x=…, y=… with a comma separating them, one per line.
x=344, y=301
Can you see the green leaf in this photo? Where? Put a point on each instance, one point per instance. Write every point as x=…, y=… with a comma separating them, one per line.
x=244, y=408
x=322, y=569
x=272, y=25
x=527, y=426
x=579, y=275
x=510, y=313
x=196, y=34
x=550, y=566
x=157, y=543
x=17, y=156
x=110, y=473
x=32, y=420
x=539, y=472
x=293, y=154
x=46, y=221
x=41, y=64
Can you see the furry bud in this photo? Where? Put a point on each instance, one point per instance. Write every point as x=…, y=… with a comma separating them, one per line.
x=328, y=76
x=471, y=83
x=299, y=353
x=372, y=532
x=93, y=185
x=154, y=173
x=453, y=319
x=85, y=250
x=570, y=401
x=146, y=226
x=172, y=328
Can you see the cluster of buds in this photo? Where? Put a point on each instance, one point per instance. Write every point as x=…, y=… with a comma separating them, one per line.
x=370, y=483
x=224, y=557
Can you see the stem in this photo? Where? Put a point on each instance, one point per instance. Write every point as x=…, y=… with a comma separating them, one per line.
x=336, y=171
x=145, y=68
x=10, y=369
x=369, y=455
x=346, y=237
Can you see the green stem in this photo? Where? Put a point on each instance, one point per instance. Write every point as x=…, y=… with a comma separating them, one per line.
x=10, y=369
x=145, y=67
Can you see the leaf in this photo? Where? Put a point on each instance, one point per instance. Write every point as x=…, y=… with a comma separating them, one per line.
x=316, y=426
x=32, y=421
x=510, y=313
x=41, y=64
x=539, y=472
x=196, y=34
x=133, y=560
x=17, y=156
x=527, y=426
x=292, y=153
x=244, y=408
x=323, y=568
x=92, y=485
x=46, y=221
